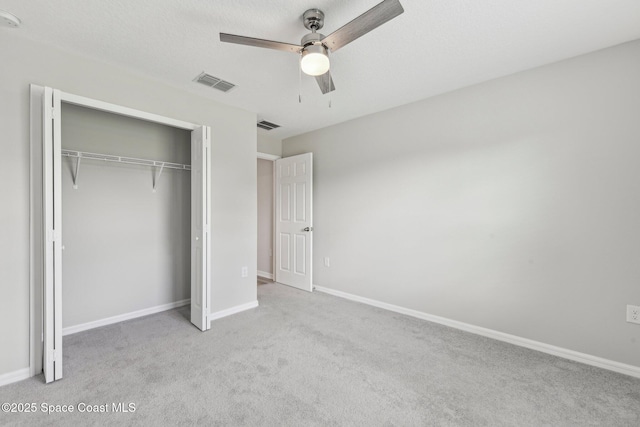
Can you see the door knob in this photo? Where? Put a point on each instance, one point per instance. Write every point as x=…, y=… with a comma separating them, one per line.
x=307, y=229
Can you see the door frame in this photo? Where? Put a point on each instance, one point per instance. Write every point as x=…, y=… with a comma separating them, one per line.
x=38, y=236
x=272, y=158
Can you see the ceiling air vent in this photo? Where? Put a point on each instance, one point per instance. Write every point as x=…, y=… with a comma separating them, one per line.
x=267, y=125
x=214, y=82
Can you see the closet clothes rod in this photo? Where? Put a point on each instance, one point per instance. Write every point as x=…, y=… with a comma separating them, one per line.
x=120, y=159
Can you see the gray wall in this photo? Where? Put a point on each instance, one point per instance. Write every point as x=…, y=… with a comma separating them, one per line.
x=512, y=205
x=126, y=248
x=233, y=173
x=265, y=216
x=269, y=144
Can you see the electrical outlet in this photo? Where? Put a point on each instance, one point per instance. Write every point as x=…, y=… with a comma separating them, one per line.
x=633, y=314
x=327, y=263
x=245, y=271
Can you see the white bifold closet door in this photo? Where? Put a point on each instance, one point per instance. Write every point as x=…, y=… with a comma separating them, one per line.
x=294, y=221
x=200, y=228
x=52, y=203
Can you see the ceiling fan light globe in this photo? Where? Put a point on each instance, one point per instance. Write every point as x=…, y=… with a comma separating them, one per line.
x=315, y=62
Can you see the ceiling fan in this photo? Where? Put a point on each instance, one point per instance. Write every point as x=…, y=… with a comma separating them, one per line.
x=314, y=47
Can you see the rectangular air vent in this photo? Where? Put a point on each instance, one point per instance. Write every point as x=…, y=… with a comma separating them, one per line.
x=214, y=82
x=267, y=125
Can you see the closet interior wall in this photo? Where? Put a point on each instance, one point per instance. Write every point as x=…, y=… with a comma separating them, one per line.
x=126, y=247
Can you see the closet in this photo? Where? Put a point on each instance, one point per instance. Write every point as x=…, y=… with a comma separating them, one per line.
x=126, y=223
x=120, y=213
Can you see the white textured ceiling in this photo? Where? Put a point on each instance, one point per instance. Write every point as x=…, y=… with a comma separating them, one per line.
x=436, y=46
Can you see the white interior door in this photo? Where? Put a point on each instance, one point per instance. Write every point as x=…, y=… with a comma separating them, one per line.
x=200, y=229
x=52, y=207
x=294, y=222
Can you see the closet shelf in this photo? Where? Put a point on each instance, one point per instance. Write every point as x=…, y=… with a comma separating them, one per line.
x=121, y=159
x=79, y=155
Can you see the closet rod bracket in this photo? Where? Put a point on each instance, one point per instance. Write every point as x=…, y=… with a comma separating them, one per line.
x=157, y=177
x=75, y=176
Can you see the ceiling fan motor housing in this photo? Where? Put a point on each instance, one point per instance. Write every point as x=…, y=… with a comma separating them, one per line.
x=312, y=39
x=312, y=43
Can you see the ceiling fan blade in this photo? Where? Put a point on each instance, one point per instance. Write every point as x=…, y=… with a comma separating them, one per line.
x=250, y=41
x=325, y=82
x=371, y=19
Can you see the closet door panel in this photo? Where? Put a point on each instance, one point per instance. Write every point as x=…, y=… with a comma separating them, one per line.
x=200, y=235
x=52, y=225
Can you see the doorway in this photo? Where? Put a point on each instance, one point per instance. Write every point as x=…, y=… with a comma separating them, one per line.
x=266, y=198
x=292, y=230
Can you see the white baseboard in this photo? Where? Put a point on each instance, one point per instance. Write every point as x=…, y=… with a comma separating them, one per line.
x=122, y=317
x=587, y=359
x=15, y=376
x=265, y=275
x=230, y=311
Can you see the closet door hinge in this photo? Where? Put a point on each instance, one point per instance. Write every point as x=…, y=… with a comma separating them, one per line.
x=54, y=355
x=53, y=236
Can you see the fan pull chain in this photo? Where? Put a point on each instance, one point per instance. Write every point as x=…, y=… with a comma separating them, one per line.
x=300, y=79
x=331, y=93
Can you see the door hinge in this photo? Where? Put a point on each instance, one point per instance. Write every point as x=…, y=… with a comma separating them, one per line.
x=54, y=355
x=53, y=236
